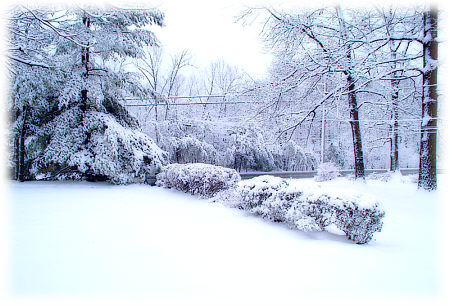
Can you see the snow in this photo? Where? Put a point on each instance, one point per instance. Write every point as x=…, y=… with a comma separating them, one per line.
x=426, y=119
x=339, y=194
x=134, y=243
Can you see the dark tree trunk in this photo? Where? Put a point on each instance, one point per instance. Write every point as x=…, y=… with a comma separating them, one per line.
x=85, y=65
x=427, y=166
x=21, y=169
x=356, y=130
x=16, y=156
x=352, y=100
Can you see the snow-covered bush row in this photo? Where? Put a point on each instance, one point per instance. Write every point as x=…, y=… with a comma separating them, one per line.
x=201, y=179
x=326, y=172
x=307, y=208
x=96, y=146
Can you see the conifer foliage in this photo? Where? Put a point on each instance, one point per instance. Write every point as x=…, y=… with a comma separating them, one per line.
x=65, y=104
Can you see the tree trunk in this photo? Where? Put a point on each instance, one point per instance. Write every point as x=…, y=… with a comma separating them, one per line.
x=394, y=166
x=16, y=156
x=352, y=101
x=356, y=130
x=157, y=132
x=427, y=165
x=395, y=85
x=21, y=170
x=85, y=65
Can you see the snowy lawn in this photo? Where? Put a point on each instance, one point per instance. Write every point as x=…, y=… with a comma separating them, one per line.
x=78, y=239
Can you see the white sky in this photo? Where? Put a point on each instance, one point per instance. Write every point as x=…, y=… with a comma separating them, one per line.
x=209, y=31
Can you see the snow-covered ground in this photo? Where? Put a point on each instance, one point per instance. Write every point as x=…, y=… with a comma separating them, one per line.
x=77, y=240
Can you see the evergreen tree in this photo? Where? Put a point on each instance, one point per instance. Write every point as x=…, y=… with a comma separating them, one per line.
x=65, y=106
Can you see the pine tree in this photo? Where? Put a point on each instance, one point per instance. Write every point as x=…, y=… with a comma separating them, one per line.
x=81, y=131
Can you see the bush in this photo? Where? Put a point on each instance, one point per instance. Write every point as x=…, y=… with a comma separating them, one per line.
x=202, y=179
x=326, y=172
x=307, y=209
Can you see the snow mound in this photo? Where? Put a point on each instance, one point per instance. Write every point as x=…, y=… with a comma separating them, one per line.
x=200, y=179
x=308, y=207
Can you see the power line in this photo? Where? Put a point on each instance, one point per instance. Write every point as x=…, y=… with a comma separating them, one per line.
x=199, y=102
x=254, y=102
x=198, y=96
x=383, y=120
x=193, y=103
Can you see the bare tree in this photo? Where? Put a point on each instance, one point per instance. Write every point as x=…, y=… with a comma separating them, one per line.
x=223, y=79
x=351, y=97
x=369, y=57
x=163, y=81
x=398, y=60
x=326, y=48
x=174, y=79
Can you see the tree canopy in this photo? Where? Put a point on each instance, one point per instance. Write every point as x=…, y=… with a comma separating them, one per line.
x=66, y=108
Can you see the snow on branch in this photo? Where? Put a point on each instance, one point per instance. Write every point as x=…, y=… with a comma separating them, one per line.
x=312, y=111
x=29, y=63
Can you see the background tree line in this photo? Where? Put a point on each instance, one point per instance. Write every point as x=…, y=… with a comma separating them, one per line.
x=346, y=86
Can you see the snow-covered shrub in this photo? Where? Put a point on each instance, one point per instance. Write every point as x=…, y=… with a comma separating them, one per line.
x=256, y=191
x=357, y=222
x=357, y=215
x=326, y=172
x=202, y=179
x=307, y=208
x=94, y=145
